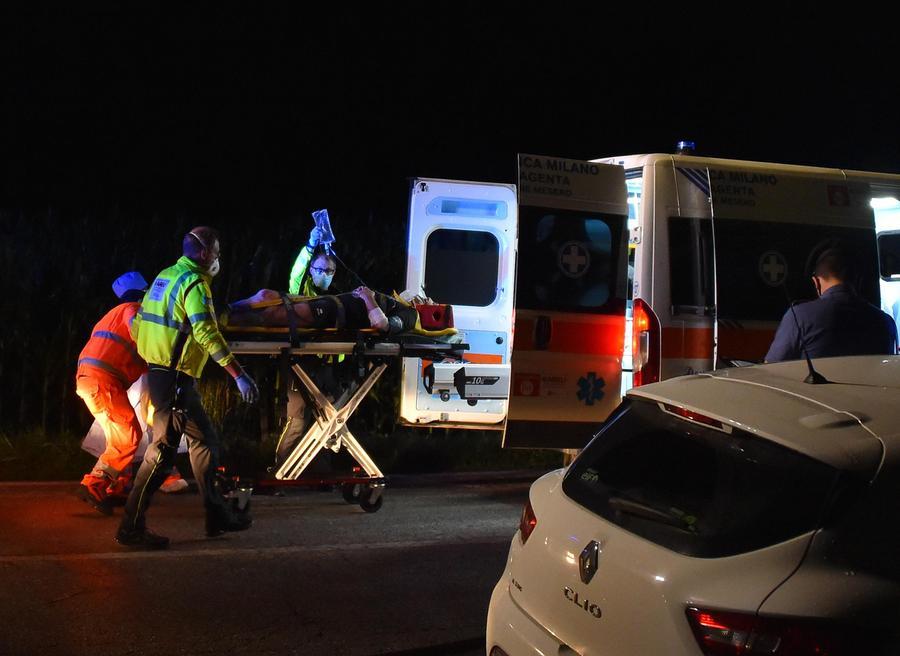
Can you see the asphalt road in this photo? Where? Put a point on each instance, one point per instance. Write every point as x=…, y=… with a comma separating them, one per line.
x=314, y=575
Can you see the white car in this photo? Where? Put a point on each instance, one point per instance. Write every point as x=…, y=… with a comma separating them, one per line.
x=742, y=511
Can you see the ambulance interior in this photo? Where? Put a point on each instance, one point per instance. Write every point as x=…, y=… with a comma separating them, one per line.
x=887, y=225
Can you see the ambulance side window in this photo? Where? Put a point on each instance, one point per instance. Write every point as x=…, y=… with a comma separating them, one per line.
x=691, y=265
x=462, y=266
x=760, y=265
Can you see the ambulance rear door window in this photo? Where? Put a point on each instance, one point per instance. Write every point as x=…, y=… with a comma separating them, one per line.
x=462, y=266
x=569, y=261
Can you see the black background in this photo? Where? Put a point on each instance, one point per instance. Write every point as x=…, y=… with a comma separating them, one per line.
x=264, y=113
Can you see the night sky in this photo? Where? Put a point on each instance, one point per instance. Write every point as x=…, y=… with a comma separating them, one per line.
x=229, y=115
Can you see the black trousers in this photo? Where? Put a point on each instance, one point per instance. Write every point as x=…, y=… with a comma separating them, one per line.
x=177, y=410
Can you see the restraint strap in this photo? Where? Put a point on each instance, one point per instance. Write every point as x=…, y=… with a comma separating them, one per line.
x=291, y=320
x=340, y=316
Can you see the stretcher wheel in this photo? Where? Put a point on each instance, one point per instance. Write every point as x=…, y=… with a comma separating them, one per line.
x=351, y=492
x=367, y=505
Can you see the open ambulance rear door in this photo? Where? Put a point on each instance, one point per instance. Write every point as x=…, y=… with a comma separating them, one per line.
x=571, y=299
x=462, y=252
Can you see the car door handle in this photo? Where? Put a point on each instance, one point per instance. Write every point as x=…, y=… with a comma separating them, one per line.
x=543, y=331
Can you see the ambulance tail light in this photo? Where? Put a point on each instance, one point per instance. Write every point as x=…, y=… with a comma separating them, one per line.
x=645, y=344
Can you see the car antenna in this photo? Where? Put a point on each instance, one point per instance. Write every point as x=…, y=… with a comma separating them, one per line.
x=814, y=377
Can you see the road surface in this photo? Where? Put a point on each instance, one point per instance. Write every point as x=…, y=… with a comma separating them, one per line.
x=314, y=575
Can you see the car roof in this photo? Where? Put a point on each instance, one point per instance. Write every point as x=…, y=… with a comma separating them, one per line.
x=852, y=423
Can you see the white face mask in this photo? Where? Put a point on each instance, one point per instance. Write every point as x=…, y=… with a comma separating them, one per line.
x=214, y=268
x=322, y=280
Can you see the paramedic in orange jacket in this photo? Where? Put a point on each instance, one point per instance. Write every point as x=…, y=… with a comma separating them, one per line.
x=107, y=366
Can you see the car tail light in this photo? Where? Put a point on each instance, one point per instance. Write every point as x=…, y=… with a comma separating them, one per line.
x=690, y=415
x=738, y=634
x=645, y=343
x=527, y=522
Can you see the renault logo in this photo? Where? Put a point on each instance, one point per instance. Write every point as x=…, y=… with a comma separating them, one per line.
x=587, y=561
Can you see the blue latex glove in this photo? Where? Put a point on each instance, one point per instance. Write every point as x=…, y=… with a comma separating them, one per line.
x=247, y=386
x=315, y=237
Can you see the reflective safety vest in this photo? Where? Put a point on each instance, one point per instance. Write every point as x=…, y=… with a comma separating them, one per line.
x=302, y=284
x=111, y=351
x=180, y=299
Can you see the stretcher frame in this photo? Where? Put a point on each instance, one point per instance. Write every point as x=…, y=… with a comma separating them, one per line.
x=329, y=426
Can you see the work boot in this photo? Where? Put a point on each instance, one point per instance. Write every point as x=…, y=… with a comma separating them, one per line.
x=94, y=494
x=219, y=522
x=141, y=539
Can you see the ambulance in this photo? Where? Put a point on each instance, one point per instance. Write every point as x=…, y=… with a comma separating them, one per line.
x=590, y=277
x=720, y=248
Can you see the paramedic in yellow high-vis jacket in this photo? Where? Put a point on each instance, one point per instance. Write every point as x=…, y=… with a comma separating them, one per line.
x=311, y=275
x=176, y=333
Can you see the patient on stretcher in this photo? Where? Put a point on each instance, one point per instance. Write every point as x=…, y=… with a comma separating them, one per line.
x=361, y=308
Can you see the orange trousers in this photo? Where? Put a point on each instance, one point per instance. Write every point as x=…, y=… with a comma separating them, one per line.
x=107, y=400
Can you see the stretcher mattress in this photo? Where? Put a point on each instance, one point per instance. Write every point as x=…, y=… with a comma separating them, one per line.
x=273, y=313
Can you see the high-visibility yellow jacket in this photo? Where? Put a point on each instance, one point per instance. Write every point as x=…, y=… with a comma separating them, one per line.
x=302, y=284
x=299, y=275
x=178, y=293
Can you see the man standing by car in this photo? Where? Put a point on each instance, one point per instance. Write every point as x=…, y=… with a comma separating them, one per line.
x=176, y=332
x=839, y=322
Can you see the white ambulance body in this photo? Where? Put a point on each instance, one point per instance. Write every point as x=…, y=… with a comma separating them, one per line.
x=664, y=264
x=720, y=247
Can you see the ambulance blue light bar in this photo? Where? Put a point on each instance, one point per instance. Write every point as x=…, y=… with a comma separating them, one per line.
x=686, y=147
x=481, y=209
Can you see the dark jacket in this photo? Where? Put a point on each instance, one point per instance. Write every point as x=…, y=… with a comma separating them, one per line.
x=840, y=322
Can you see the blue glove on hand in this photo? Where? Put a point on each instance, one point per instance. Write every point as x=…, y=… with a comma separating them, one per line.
x=315, y=237
x=247, y=386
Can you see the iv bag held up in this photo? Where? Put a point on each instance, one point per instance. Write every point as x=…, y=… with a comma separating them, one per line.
x=323, y=223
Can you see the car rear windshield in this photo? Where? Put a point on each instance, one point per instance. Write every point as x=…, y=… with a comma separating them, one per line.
x=697, y=490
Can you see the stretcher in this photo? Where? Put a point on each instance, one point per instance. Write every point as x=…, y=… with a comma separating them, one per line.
x=369, y=349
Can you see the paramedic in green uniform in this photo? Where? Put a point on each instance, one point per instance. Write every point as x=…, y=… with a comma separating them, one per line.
x=311, y=275
x=176, y=333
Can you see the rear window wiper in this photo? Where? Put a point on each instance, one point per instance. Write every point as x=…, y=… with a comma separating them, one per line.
x=671, y=517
